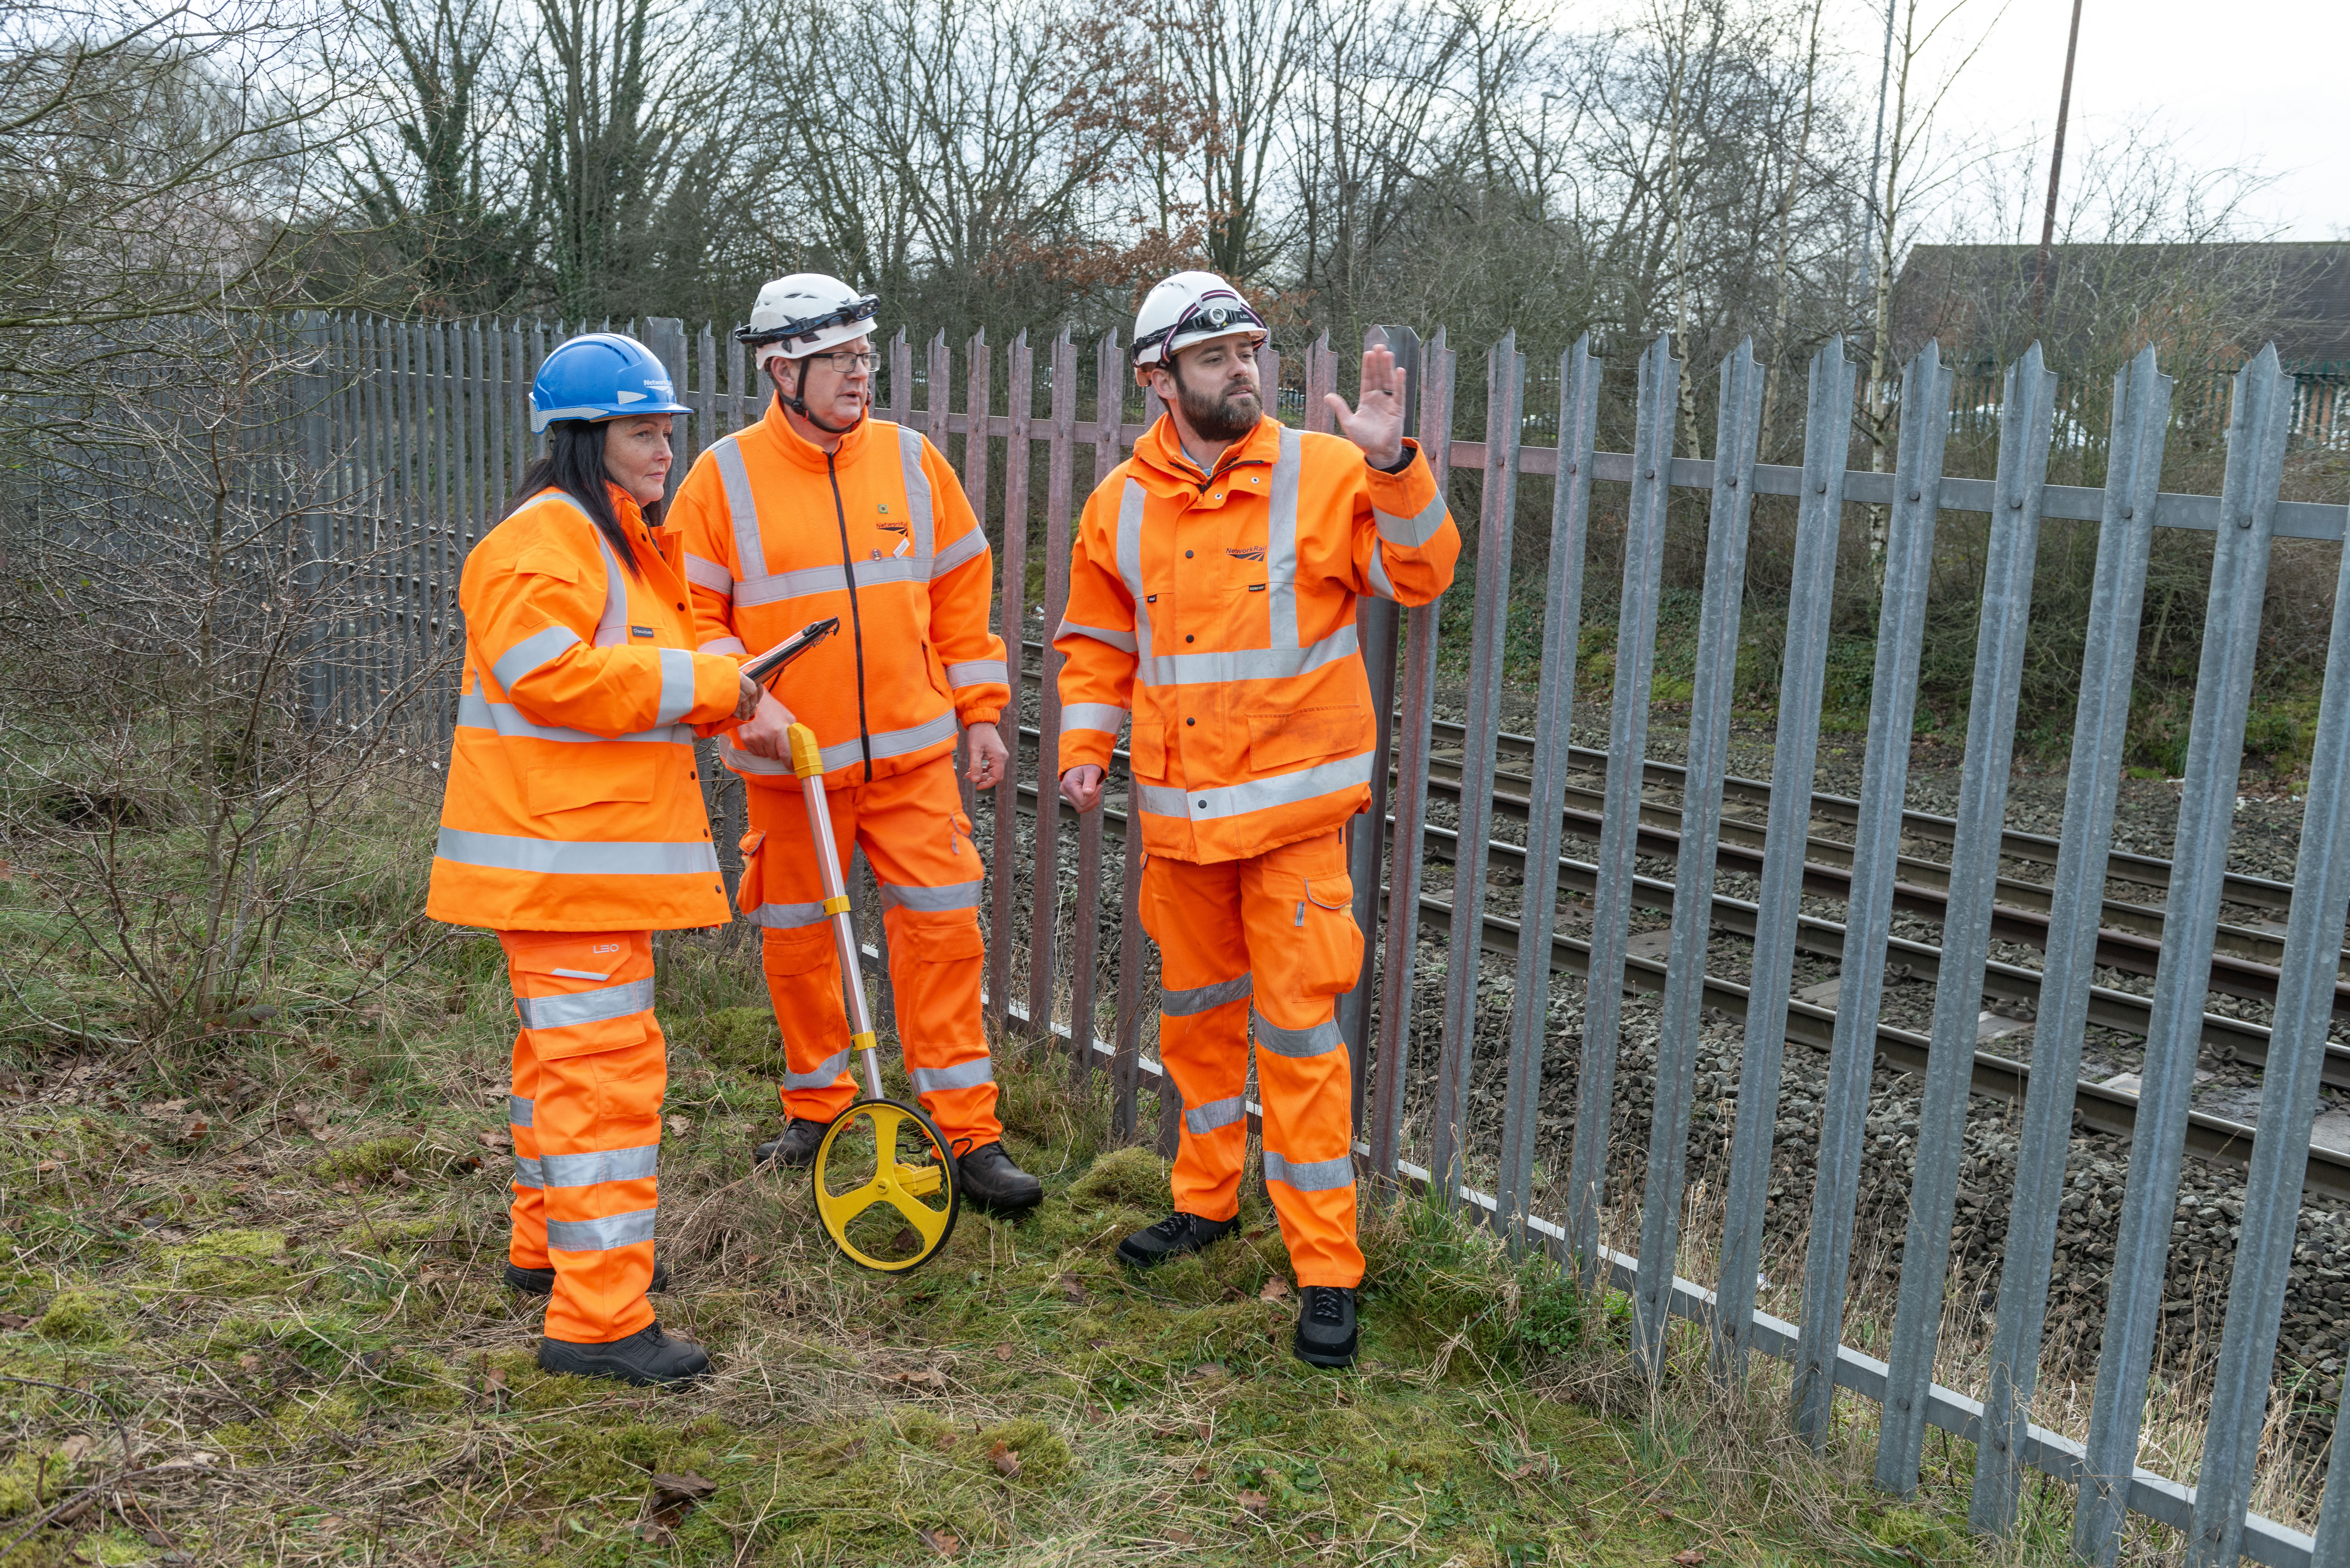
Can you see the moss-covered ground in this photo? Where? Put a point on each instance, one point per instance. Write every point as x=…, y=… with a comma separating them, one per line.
x=250, y=1312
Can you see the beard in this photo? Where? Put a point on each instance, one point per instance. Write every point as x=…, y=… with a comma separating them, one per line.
x=1224, y=418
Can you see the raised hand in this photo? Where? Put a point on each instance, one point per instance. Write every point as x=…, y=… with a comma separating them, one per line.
x=1378, y=426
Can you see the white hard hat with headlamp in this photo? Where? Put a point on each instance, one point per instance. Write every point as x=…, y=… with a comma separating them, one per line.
x=806, y=314
x=1190, y=307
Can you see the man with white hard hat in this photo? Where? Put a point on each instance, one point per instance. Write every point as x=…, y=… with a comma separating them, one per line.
x=820, y=510
x=1212, y=599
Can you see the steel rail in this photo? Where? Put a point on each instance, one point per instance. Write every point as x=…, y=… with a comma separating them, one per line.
x=2114, y=1111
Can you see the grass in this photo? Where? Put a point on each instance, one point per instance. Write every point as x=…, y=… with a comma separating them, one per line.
x=257, y=1320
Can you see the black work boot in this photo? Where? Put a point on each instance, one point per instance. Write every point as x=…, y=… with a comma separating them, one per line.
x=1172, y=1237
x=987, y=1176
x=795, y=1147
x=1325, y=1325
x=541, y=1282
x=648, y=1356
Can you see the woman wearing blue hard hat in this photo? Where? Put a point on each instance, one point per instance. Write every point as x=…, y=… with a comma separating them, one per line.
x=574, y=828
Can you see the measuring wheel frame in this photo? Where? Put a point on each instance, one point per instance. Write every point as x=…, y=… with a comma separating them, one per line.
x=894, y=1182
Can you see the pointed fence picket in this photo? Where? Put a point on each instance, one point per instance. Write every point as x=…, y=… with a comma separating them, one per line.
x=423, y=427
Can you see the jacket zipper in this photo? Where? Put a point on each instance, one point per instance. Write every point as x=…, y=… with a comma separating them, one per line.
x=856, y=621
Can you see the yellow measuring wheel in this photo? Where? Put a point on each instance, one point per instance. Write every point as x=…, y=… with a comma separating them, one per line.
x=885, y=1179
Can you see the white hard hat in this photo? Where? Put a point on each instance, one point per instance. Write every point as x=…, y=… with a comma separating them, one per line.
x=1187, y=309
x=806, y=313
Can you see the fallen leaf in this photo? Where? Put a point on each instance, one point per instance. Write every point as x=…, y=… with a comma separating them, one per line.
x=77, y=1447
x=680, y=1126
x=670, y=1490
x=1274, y=1289
x=941, y=1542
x=15, y=1320
x=1005, y=1461
x=1181, y=1537
x=1212, y=1371
x=1002, y=1353
x=1258, y=1503
x=248, y=1362
x=1693, y=1558
x=1072, y=1288
x=493, y=1138
x=48, y=1167
x=1200, y=1472
x=925, y=1377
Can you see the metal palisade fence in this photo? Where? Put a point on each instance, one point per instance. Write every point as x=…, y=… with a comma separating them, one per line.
x=424, y=428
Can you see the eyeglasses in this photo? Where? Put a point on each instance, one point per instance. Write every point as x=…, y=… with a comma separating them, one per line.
x=847, y=362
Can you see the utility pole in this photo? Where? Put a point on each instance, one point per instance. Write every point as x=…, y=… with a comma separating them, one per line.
x=2055, y=173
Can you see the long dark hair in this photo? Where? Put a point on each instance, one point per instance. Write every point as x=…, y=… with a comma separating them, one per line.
x=574, y=464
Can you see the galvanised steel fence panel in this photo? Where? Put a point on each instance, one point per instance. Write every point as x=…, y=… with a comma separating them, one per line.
x=424, y=428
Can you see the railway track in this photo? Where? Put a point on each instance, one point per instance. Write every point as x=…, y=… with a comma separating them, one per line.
x=1812, y=1025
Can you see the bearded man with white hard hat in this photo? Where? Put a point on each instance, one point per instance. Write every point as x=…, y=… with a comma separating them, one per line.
x=818, y=510
x=1211, y=601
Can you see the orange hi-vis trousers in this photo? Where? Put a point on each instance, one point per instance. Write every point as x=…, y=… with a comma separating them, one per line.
x=918, y=840
x=1271, y=941
x=589, y=1070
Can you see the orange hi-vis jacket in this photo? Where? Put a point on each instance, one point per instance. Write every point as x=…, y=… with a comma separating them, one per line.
x=573, y=801
x=779, y=533
x=1220, y=611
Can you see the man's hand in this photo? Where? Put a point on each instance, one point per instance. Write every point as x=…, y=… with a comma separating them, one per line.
x=1378, y=426
x=768, y=732
x=746, y=698
x=985, y=746
x=1081, y=786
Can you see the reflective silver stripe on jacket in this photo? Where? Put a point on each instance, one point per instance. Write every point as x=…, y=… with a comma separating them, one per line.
x=1280, y=541
x=676, y=685
x=1318, y=1041
x=786, y=917
x=475, y=711
x=1107, y=717
x=597, y=1006
x=722, y=645
x=897, y=743
x=613, y=631
x=1131, y=502
x=827, y=1070
x=953, y=895
x=709, y=574
x=600, y=1235
x=539, y=647
x=619, y=857
x=978, y=672
x=1380, y=584
x=831, y=579
x=1412, y=532
x=1300, y=1175
x=1201, y=998
x=1118, y=640
x=1257, y=795
x=1215, y=1113
x=970, y=547
x=1223, y=667
x=918, y=496
x=601, y=1165
x=962, y=1075
x=742, y=507
x=518, y=1110
x=527, y=1173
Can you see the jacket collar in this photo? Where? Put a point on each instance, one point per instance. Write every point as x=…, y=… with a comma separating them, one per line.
x=804, y=451
x=1163, y=467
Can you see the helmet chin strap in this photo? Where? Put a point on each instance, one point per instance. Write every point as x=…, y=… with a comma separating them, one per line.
x=800, y=406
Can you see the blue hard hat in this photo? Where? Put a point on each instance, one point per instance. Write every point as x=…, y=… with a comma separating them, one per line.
x=601, y=376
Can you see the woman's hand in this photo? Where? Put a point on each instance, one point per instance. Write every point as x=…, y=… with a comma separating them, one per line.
x=768, y=732
x=984, y=745
x=746, y=701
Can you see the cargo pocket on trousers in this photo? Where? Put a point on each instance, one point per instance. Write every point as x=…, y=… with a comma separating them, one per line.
x=1330, y=945
x=751, y=891
x=942, y=943
x=801, y=950
x=564, y=1013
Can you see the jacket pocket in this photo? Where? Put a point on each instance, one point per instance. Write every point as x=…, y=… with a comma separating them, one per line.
x=1145, y=747
x=1289, y=737
x=552, y=787
x=750, y=892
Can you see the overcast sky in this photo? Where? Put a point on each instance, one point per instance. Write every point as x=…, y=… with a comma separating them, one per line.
x=2250, y=81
